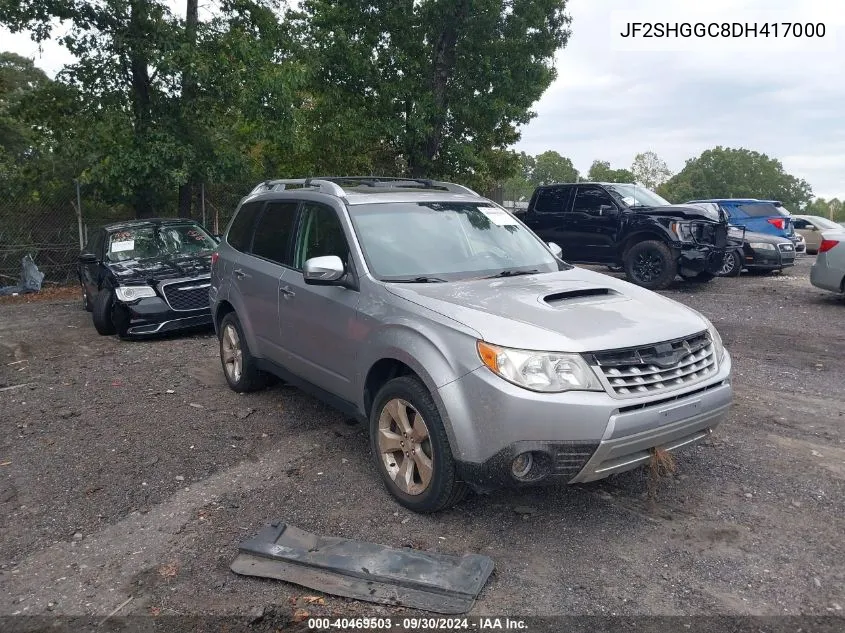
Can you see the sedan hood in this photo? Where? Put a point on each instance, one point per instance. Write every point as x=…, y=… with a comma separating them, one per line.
x=154, y=269
x=574, y=310
x=753, y=236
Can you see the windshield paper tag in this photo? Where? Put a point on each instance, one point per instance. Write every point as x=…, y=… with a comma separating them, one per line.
x=125, y=245
x=499, y=216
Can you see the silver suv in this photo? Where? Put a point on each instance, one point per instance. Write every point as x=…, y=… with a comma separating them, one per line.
x=477, y=357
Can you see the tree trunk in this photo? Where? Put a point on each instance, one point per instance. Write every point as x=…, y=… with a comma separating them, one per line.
x=141, y=101
x=189, y=91
x=443, y=67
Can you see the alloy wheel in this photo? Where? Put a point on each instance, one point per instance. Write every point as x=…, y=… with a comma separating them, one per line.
x=648, y=266
x=728, y=265
x=232, y=353
x=405, y=447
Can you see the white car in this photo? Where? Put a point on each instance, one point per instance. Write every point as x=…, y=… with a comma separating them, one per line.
x=828, y=272
x=810, y=227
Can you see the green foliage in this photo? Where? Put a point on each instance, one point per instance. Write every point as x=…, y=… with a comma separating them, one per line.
x=550, y=167
x=600, y=171
x=831, y=209
x=736, y=173
x=649, y=170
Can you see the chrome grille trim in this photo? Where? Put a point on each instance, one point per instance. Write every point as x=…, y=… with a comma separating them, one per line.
x=197, y=287
x=656, y=369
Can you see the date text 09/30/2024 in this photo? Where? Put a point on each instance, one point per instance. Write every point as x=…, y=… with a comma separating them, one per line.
x=418, y=624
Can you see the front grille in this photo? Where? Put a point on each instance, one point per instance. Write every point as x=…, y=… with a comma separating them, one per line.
x=187, y=295
x=657, y=368
x=786, y=248
x=712, y=233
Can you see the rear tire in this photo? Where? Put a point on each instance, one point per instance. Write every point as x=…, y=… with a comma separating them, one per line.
x=101, y=313
x=239, y=365
x=410, y=448
x=732, y=265
x=650, y=264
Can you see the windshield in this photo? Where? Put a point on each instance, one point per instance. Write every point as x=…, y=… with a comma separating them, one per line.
x=636, y=196
x=155, y=240
x=445, y=240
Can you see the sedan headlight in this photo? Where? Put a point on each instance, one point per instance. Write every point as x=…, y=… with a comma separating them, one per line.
x=131, y=293
x=762, y=246
x=539, y=371
x=718, y=346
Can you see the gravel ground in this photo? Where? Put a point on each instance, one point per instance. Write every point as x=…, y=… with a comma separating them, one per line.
x=131, y=470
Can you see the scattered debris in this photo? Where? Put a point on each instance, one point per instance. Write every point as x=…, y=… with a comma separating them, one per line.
x=168, y=570
x=662, y=464
x=314, y=600
x=196, y=406
x=30, y=281
x=244, y=414
x=11, y=387
x=430, y=581
x=118, y=608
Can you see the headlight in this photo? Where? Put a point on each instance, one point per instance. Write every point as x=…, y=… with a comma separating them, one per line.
x=131, y=293
x=539, y=371
x=762, y=246
x=718, y=346
x=683, y=230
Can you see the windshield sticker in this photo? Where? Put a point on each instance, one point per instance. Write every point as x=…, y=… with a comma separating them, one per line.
x=123, y=245
x=195, y=234
x=629, y=200
x=499, y=217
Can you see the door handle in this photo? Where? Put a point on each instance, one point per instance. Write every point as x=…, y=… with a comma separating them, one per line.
x=239, y=273
x=287, y=292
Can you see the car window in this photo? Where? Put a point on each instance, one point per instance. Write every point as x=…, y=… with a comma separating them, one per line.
x=239, y=235
x=274, y=231
x=445, y=240
x=320, y=234
x=590, y=199
x=759, y=210
x=95, y=244
x=824, y=223
x=154, y=240
x=551, y=200
x=798, y=223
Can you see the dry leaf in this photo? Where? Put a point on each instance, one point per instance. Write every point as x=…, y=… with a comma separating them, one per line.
x=155, y=611
x=169, y=570
x=299, y=615
x=313, y=600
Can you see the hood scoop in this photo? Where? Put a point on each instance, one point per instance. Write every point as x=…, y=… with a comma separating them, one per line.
x=568, y=297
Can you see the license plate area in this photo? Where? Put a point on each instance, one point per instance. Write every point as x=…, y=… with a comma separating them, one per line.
x=679, y=412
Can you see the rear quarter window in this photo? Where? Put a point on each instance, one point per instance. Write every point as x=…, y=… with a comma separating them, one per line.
x=759, y=210
x=239, y=235
x=551, y=200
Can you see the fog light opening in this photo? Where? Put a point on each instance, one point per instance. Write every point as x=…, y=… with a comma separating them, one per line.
x=522, y=465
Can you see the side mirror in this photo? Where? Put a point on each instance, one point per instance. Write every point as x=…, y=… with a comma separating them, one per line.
x=556, y=250
x=217, y=237
x=323, y=271
x=87, y=258
x=607, y=209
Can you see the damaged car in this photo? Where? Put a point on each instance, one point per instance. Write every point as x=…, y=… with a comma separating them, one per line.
x=147, y=277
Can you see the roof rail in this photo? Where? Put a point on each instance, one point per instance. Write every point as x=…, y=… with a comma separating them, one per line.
x=332, y=184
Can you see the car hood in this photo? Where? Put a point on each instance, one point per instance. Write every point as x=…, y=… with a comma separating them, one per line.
x=574, y=310
x=154, y=269
x=687, y=212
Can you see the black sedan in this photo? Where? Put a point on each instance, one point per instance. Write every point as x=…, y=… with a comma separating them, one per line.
x=756, y=252
x=147, y=277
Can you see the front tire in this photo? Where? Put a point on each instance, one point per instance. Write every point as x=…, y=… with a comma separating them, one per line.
x=650, y=264
x=410, y=448
x=102, y=313
x=239, y=365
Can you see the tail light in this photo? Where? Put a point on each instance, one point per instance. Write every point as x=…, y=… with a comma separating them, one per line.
x=214, y=257
x=826, y=245
x=779, y=223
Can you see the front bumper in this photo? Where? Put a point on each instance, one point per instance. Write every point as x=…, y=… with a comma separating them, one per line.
x=574, y=437
x=777, y=259
x=700, y=258
x=152, y=316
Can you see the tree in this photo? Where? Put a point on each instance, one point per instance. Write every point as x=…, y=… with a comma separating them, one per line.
x=831, y=209
x=600, y=171
x=519, y=187
x=550, y=167
x=163, y=102
x=649, y=170
x=442, y=85
x=736, y=173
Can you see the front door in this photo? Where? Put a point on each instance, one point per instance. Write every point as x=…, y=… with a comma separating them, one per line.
x=317, y=323
x=593, y=224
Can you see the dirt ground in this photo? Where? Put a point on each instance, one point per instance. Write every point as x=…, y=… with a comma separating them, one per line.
x=130, y=470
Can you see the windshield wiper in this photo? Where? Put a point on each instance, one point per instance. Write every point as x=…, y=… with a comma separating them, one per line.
x=512, y=272
x=417, y=280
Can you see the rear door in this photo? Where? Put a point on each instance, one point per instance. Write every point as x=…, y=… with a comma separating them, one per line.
x=547, y=216
x=91, y=273
x=317, y=323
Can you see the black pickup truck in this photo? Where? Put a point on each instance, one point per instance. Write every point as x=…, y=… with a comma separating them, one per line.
x=627, y=226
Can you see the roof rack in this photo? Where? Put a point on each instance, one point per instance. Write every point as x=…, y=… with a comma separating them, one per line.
x=332, y=184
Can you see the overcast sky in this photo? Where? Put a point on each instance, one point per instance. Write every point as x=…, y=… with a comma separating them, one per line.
x=613, y=98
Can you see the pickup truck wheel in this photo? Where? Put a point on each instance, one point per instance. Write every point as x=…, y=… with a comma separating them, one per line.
x=410, y=447
x=239, y=366
x=650, y=264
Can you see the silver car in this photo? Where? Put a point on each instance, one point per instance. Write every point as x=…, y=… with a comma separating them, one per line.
x=828, y=271
x=477, y=357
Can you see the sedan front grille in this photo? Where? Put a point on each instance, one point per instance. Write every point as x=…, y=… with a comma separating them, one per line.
x=656, y=368
x=786, y=248
x=187, y=295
